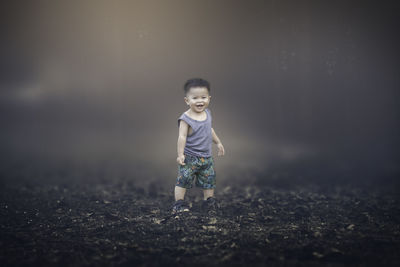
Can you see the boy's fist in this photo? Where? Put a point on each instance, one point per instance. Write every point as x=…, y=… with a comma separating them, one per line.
x=221, y=150
x=181, y=160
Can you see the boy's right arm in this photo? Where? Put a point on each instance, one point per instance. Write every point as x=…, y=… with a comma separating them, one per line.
x=183, y=130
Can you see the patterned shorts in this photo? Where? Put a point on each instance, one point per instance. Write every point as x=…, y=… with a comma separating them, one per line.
x=196, y=167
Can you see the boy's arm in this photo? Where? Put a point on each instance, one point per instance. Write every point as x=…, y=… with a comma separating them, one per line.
x=183, y=130
x=221, y=149
x=215, y=137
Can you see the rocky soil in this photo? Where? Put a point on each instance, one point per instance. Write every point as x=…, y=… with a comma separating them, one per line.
x=119, y=224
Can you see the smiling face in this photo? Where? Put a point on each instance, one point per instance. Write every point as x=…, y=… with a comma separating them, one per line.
x=198, y=99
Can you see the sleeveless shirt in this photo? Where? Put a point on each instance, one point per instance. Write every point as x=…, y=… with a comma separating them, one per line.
x=199, y=143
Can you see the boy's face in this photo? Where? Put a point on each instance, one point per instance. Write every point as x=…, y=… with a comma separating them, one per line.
x=198, y=98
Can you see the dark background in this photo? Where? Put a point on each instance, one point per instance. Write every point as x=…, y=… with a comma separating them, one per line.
x=300, y=89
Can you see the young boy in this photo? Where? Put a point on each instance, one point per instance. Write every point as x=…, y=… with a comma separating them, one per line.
x=195, y=146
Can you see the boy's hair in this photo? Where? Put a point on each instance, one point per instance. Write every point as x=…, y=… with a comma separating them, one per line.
x=196, y=82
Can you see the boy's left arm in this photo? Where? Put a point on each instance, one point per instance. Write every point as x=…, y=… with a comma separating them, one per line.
x=221, y=150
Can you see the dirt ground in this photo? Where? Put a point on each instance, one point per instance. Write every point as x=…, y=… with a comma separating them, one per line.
x=119, y=224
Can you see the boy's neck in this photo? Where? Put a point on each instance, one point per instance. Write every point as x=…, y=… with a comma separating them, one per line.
x=195, y=114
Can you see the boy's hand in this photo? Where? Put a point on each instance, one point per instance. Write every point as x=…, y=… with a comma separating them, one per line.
x=181, y=160
x=221, y=150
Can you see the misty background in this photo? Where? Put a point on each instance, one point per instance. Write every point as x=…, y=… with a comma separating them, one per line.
x=299, y=89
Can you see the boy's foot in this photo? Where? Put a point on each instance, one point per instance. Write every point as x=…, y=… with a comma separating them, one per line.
x=210, y=205
x=180, y=206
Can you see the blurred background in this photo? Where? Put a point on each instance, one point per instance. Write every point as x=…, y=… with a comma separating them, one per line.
x=301, y=90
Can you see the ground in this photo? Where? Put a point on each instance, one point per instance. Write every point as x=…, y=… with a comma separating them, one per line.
x=119, y=224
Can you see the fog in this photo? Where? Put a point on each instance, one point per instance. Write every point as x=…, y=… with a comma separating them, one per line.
x=299, y=89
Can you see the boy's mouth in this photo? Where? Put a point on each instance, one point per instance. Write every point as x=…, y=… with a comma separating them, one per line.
x=199, y=105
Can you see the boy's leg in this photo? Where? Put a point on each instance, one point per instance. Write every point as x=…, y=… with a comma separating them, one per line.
x=179, y=193
x=208, y=193
x=209, y=203
x=206, y=177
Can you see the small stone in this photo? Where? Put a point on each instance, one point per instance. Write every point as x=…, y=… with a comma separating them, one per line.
x=317, y=255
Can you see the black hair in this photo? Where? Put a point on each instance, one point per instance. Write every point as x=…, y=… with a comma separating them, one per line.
x=196, y=82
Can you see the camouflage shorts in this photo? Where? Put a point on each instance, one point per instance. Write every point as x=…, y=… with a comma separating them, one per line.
x=196, y=167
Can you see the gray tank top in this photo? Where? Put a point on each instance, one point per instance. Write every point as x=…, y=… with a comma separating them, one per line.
x=199, y=143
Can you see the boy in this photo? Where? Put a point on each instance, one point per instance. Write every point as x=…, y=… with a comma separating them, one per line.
x=195, y=146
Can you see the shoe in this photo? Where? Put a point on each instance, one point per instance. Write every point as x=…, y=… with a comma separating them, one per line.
x=180, y=206
x=210, y=205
